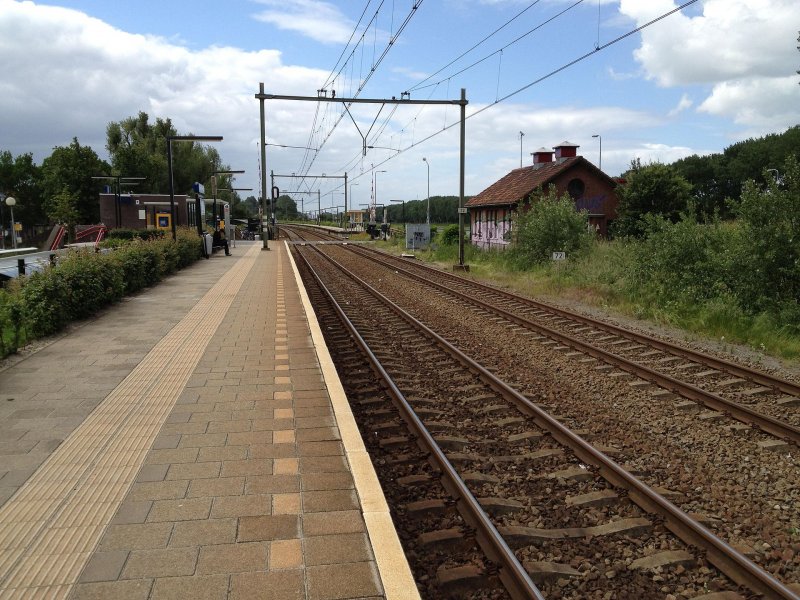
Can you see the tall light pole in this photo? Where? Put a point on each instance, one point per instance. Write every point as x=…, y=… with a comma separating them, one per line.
x=11, y=202
x=521, y=135
x=428, y=214
x=600, y=162
x=181, y=138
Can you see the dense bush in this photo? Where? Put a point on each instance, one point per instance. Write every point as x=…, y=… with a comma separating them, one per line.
x=450, y=235
x=751, y=266
x=550, y=224
x=84, y=282
x=135, y=234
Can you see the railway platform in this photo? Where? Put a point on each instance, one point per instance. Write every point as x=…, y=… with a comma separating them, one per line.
x=193, y=441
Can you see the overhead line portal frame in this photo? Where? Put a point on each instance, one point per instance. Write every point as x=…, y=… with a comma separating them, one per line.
x=462, y=102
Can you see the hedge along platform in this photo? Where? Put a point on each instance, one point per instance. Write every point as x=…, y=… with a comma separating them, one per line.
x=200, y=452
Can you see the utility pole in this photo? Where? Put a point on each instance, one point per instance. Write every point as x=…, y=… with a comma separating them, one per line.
x=264, y=214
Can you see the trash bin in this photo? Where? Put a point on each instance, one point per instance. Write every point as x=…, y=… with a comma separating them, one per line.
x=257, y=237
x=208, y=243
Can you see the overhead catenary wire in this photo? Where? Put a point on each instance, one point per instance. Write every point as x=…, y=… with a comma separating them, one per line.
x=508, y=45
x=535, y=82
x=463, y=54
x=306, y=167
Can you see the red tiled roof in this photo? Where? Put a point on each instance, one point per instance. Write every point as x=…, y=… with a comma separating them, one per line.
x=520, y=182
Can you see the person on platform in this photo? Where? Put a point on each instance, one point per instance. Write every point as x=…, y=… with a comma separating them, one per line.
x=221, y=240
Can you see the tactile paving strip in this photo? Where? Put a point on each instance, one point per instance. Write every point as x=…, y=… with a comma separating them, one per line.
x=49, y=528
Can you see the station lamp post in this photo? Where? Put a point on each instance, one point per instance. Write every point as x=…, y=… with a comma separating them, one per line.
x=11, y=202
x=599, y=162
x=181, y=138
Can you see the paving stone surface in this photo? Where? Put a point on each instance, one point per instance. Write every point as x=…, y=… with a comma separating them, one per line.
x=241, y=488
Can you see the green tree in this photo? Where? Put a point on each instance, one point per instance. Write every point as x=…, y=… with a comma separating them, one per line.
x=285, y=208
x=21, y=177
x=71, y=168
x=63, y=208
x=138, y=148
x=549, y=224
x=652, y=189
x=768, y=257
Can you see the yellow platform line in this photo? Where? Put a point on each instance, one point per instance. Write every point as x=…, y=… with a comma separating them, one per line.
x=50, y=527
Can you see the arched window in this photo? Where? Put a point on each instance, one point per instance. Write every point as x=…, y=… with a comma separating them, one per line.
x=576, y=188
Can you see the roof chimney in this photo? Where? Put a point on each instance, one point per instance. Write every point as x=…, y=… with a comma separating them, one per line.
x=566, y=150
x=542, y=155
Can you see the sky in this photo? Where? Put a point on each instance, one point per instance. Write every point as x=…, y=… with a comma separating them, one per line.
x=696, y=81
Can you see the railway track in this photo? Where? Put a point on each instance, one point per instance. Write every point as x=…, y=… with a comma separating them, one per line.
x=555, y=498
x=752, y=397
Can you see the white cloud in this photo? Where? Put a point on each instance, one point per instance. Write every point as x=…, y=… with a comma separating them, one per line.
x=682, y=105
x=89, y=74
x=764, y=105
x=744, y=49
x=320, y=21
x=731, y=39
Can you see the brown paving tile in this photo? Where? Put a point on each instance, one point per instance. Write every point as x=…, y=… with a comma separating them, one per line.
x=253, y=466
x=330, y=523
x=278, y=585
x=287, y=504
x=185, y=509
x=202, y=439
x=242, y=506
x=104, y=566
x=170, y=562
x=132, y=512
x=137, y=589
x=269, y=527
x=152, y=473
x=285, y=554
x=198, y=587
x=172, y=455
x=249, y=438
x=216, y=417
x=286, y=436
x=285, y=466
x=232, y=558
x=333, y=582
x=341, y=480
x=183, y=429
x=313, y=411
x=315, y=422
x=200, y=470
x=333, y=500
x=136, y=536
x=222, y=486
x=319, y=448
x=272, y=484
x=273, y=451
x=339, y=548
x=204, y=533
x=230, y=426
x=166, y=441
x=158, y=490
x=220, y=453
x=272, y=424
x=323, y=464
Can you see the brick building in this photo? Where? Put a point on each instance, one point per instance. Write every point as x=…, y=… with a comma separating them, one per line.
x=491, y=212
x=143, y=211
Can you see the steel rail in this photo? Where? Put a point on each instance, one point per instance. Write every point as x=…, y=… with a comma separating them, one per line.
x=511, y=572
x=726, y=558
x=759, y=377
x=737, y=411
